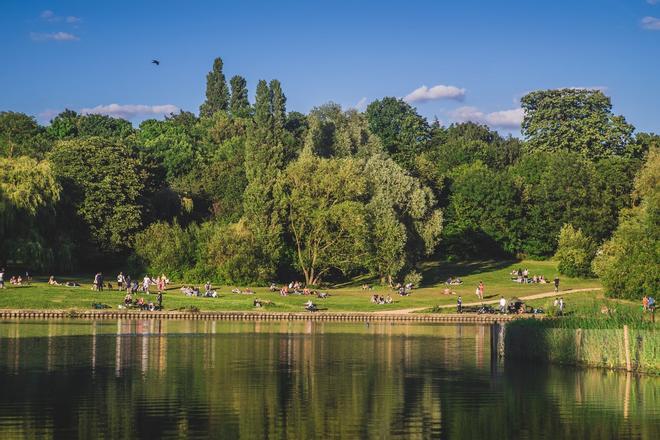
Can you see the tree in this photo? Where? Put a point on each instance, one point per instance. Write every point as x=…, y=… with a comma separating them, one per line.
x=166, y=248
x=575, y=252
x=217, y=93
x=64, y=125
x=403, y=133
x=629, y=263
x=558, y=188
x=20, y=135
x=323, y=199
x=483, y=217
x=28, y=193
x=404, y=222
x=278, y=103
x=263, y=160
x=102, y=181
x=239, y=105
x=577, y=120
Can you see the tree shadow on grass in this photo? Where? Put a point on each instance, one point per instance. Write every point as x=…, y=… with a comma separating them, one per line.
x=436, y=272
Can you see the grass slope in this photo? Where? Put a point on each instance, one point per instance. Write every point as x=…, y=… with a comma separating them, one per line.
x=350, y=297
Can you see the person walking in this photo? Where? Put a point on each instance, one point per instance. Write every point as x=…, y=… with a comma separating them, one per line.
x=2, y=278
x=502, y=304
x=481, y=290
x=159, y=298
x=556, y=281
x=459, y=304
x=561, y=306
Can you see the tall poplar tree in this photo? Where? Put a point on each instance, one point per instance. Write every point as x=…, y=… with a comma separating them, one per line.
x=278, y=104
x=263, y=162
x=240, y=105
x=217, y=93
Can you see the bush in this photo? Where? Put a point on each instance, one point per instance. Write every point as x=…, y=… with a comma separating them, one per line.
x=229, y=254
x=166, y=248
x=575, y=252
x=414, y=278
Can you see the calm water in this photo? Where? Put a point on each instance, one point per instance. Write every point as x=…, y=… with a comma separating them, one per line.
x=196, y=379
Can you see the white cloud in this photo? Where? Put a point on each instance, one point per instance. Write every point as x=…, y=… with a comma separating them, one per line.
x=130, y=111
x=48, y=15
x=54, y=36
x=510, y=119
x=424, y=94
x=652, y=2
x=361, y=104
x=651, y=23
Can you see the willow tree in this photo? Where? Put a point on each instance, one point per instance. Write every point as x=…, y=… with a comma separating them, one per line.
x=324, y=200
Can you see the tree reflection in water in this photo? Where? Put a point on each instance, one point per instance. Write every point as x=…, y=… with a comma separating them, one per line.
x=154, y=378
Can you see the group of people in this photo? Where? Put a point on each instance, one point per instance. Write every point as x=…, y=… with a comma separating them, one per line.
x=14, y=280
x=454, y=281
x=209, y=292
x=559, y=306
x=141, y=304
x=522, y=276
x=378, y=299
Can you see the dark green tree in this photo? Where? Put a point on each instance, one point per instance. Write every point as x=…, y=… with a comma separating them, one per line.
x=217, y=93
x=577, y=120
x=263, y=161
x=102, y=182
x=20, y=135
x=278, y=102
x=403, y=133
x=240, y=105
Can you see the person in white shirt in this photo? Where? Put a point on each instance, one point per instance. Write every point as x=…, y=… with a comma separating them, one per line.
x=502, y=304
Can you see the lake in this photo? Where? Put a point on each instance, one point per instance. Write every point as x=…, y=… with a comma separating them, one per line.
x=206, y=379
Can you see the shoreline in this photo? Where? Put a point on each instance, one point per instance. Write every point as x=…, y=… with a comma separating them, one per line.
x=463, y=318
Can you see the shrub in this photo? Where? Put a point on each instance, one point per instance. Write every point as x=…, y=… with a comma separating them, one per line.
x=575, y=252
x=414, y=278
x=166, y=248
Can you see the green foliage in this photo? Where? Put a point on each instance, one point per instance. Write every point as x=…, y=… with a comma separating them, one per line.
x=20, y=135
x=484, y=212
x=558, y=188
x=229, y=254
x=574, y=252
x=324, y=202
x=629, y=263
x=27, y=184
x=577, y=120
x=166, y=248
x=403, y=133
x=239, y=105
x=217, y=93
x=414, y=278
x=102, y=182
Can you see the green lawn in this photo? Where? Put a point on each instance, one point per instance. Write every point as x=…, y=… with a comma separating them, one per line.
x=494, y=274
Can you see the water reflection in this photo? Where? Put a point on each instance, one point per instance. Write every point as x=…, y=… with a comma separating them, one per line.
x=151, y=379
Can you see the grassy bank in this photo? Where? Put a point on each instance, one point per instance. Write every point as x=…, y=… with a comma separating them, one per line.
x=587, y=341
x=347, y=297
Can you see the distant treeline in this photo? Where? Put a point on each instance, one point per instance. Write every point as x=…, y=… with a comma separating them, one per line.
x=250, y=193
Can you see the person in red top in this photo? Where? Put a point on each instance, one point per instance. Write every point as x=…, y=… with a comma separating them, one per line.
x=481, y=290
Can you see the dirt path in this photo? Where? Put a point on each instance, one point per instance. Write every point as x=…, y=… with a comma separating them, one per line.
x=490, y=301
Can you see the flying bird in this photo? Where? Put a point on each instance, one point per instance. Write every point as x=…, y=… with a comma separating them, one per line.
x=156, y=62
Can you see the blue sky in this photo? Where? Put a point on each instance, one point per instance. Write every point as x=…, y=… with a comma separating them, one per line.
x=483, y=55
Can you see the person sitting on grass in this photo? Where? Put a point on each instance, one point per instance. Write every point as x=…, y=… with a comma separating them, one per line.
x=52, y=282
x=284, y=291
x=128, y=300
x=310, y=306
x=322, y=295
x=388, y=299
